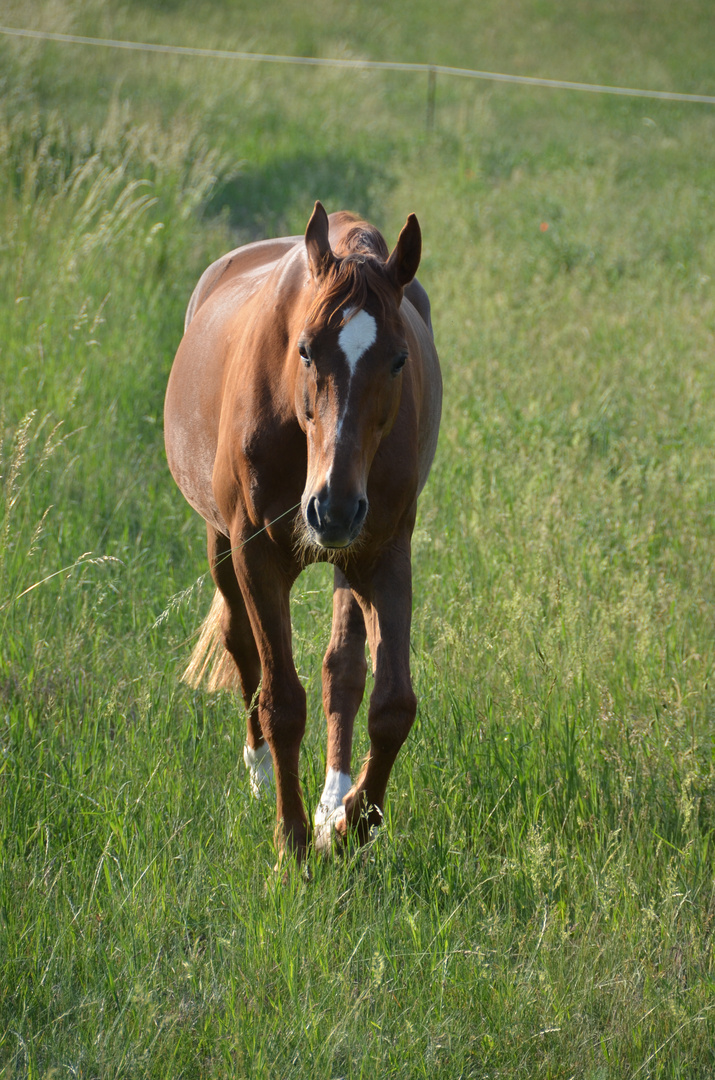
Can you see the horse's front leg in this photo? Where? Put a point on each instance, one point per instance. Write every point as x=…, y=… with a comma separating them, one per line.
x=386, y=600
x=265, y=585
x=344, y=671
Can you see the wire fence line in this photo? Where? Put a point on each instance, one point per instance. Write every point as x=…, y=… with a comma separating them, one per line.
x=432, y=70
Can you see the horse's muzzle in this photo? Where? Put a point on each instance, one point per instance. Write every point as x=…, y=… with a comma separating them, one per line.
x=334, y=522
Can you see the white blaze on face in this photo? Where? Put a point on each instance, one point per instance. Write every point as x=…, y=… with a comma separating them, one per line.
x=355, y=338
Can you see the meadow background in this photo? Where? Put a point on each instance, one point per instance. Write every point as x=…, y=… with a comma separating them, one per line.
x=541, y=901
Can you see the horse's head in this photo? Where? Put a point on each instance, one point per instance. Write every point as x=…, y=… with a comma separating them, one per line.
x=350, y=354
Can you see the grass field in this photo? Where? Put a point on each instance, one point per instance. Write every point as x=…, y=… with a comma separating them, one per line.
x=541, y=900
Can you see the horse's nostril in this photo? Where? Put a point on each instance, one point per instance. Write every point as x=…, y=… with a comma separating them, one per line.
x=360, y=515
x=311, y=513
x=335, y=522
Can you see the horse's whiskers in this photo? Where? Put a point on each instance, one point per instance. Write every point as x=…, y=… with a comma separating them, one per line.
x=308, y=552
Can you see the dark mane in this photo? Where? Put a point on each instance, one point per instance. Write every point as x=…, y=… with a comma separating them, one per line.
x=356, y=272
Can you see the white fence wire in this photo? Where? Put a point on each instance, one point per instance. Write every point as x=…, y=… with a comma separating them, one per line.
x=366, y=65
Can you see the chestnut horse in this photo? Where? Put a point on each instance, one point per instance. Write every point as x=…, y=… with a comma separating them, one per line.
x=301, y=421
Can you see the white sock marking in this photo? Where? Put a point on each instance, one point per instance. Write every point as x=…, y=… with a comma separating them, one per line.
x=260, y=767
x=330, y=809
x=337, y=785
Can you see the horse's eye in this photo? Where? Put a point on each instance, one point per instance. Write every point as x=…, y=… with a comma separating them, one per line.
x=398, y=363
x=304, y=351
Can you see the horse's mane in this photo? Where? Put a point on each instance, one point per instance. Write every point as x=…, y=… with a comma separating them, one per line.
x=356, y=271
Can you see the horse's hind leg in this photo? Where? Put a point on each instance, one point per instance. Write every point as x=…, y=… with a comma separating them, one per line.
x=344, y=671
x=238, y=640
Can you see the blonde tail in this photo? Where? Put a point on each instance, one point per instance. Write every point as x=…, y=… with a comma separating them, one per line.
x=210, y=657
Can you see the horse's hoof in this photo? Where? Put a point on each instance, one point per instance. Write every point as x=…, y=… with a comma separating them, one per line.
x=334, y=825
x=335, y=831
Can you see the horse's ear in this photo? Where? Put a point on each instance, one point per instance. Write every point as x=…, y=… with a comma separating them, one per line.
x=402, y=264
x=317, y=242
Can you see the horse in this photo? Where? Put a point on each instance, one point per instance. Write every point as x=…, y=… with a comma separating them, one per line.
x=301, y=420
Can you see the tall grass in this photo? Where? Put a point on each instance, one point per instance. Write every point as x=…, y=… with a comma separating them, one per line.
x=540, y=900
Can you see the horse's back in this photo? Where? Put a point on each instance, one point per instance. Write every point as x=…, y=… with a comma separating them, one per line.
x=426, y=375
x=253, y=262
x=417, y=295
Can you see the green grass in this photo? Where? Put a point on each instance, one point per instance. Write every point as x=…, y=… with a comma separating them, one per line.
x=541, y=901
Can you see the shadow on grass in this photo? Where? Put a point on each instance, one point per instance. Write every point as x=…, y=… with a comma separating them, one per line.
x=277, y=197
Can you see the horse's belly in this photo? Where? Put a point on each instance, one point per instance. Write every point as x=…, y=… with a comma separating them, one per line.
x=191, y=452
